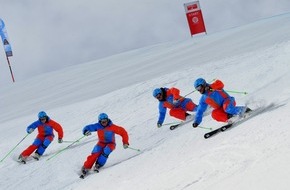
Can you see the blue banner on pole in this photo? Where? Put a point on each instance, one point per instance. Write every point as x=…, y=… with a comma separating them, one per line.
x=5, y=40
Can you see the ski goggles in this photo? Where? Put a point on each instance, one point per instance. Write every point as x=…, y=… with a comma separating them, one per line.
x=42, y=119
x=199, y=88
x=158, y=96
x=104, y=121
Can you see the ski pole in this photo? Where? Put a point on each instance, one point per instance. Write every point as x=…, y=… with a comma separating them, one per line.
x=205, y=127
x=189, y=93
x=14, y=147
x=172, y=123
x=61, y=150
x=196, y=90
x=237, y=92
x=134, y=149
x=68, y=141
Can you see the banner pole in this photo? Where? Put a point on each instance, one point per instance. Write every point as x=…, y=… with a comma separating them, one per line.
x=10, y=69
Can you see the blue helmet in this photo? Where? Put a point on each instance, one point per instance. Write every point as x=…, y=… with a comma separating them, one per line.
x=42, y=114
x=156, y=91
x=103, y=116
x=199, y=82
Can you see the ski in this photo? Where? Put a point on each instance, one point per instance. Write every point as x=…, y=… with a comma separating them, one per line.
x=220, y=129
x=29, y=160
x=188, y=119
x=21, y=161
x=35, y=158
x=225, y=127
x=84, y=174
x=242, y=119
x=228, y=125
x=96, y=170
x=172, y=127
x=24, y=161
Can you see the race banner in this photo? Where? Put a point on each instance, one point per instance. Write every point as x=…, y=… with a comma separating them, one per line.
x=194, y=17
x=5, y=40
x=6, y=44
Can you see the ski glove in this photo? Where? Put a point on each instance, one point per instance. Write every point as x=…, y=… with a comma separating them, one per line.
x=60, y=140
x=87, y=133
x=194, y=125
x=159, y=125
x=125, y=146
x=30, y=130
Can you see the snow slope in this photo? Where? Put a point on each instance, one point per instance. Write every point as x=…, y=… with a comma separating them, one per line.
x=253, y=155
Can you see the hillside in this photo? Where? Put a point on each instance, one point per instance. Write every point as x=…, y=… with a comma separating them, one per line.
x=253, y=155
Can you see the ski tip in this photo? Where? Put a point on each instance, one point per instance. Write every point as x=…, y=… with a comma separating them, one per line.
x=206, y=136
x=21, y=161
x=172, y=127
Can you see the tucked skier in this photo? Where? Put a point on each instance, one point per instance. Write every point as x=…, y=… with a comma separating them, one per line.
x=45, y=127
x=214, y=95
x=178, y=105
x=106, y=131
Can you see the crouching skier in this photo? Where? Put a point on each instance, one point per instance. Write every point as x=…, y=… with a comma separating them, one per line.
x=214, y=95
x=106, y=131
x=178, y=105
x=45, y=136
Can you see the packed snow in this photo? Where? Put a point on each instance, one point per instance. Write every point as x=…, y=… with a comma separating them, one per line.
x=252, y=155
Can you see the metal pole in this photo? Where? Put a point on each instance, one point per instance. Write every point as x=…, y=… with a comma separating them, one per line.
x=58, y=152
x=14, y=147
x=10, y=69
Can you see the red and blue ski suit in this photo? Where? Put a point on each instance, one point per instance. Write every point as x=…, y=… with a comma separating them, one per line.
x=45, y=136
x=222, y=103
x=106, y=143
x=177, y=104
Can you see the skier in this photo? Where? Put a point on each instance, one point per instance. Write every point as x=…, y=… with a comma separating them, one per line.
x=178, y=105
x=45, y=136
x=106, y=131
x=223, y=104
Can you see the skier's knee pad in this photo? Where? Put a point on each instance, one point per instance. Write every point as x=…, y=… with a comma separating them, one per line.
x=41, y=149
x=43, y=146
x=105, y=155
x=102, y=159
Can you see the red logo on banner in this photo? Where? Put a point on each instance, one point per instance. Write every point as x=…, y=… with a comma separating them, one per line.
x=194, y=18
x=191, y=7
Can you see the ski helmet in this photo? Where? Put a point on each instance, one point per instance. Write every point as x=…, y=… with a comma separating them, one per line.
x=103, y=116
x=156, y=91
x=41, y=114
x=199, y=82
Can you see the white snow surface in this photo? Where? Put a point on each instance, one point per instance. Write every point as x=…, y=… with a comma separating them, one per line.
x=253, y=155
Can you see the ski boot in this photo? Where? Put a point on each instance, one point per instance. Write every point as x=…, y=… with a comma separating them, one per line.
x=36, y=156
x=22, y=159
x=97, y=167
x=248, y=110
x=84, y=172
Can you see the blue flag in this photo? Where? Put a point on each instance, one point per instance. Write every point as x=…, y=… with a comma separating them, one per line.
x=5, y=40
